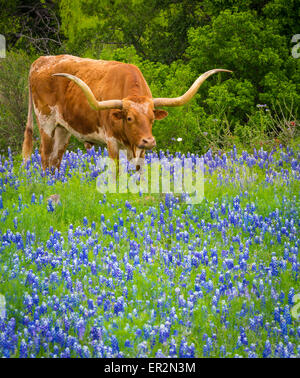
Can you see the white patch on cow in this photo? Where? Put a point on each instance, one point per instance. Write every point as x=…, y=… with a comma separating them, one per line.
x=50, y=61
x=112, y=140
x=61, y=138
x=142, y=108
x=94, y=137
x=41, y=67
x=47, y=122
x=78, y=60
x=98, y=136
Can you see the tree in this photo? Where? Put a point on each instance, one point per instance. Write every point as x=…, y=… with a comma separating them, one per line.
x=31, y=25
x=253, y=47
x=156, y=28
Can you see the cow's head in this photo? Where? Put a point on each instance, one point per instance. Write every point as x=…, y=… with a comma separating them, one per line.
x=138, y=113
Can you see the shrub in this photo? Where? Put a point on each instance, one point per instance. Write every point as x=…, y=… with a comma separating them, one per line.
x=264, y=70
x=14, y=99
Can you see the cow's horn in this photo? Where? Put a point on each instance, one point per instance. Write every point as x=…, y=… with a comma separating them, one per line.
x=94, y=103
x=178, y=101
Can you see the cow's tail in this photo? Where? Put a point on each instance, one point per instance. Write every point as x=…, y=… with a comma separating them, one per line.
x=27, y=144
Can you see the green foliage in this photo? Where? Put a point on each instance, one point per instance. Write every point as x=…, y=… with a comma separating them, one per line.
x=151, y=26
x=173, y=42
x=253, y=49
x=13, y=99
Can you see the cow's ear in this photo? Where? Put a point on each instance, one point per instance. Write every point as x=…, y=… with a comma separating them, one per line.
x=160, y=114
x=117, y=115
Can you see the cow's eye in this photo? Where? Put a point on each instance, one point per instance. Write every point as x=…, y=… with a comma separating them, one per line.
x=129, y=119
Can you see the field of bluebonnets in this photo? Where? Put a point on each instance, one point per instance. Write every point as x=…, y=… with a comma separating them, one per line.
x=124, y=275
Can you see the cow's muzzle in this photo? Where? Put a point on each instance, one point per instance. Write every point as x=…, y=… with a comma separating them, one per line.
x=147, y=143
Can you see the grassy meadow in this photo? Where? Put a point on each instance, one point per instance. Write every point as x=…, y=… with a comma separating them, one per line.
x=147, y=275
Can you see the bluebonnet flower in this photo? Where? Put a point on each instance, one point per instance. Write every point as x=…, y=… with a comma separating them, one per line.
x=128, y=344
x=50, y=207
x=114, y=344
x=33, y=198
x=23, y=349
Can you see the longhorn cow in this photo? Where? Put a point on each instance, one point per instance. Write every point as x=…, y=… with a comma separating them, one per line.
x=97, y=101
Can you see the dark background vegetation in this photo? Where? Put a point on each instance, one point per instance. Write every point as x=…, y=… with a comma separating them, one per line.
x=172, y=42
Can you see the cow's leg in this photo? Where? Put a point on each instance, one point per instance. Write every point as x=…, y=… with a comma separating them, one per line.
x=138, y=156
x=46, y=123
x=46, y=148
x=60, y=142
x=53, y=147
x=141, y=160
x=113, y=148
x=113, y=153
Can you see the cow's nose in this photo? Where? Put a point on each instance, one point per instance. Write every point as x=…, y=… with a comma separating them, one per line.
x=148, y=142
